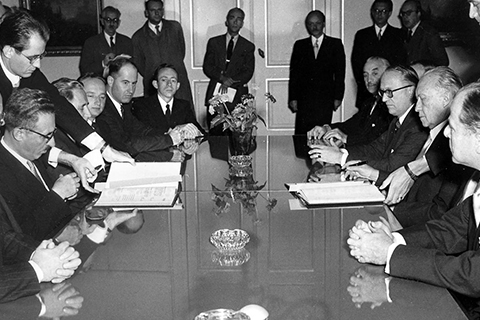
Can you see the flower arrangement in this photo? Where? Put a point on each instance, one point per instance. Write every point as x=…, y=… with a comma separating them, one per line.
x=242, y=118
x=243, y=190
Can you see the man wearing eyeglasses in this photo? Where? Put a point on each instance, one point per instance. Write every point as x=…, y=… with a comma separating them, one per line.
x=380, y=40
x=421, y=40
x=101, y=48
x=398, y=145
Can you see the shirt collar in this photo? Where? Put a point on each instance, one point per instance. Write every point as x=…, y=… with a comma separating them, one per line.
x=13, y=78
x=377, y=28
x=404, y=115
x=107, y=37
x=117, y=104
x=437, y=129
x=152, y=26
x=415, y=27
x=163, y=103
x=320, y=40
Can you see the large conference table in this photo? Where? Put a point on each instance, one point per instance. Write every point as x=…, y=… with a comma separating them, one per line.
x=299, y=265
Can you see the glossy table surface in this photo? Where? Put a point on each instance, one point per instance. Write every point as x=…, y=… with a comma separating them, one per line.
x=296, y=265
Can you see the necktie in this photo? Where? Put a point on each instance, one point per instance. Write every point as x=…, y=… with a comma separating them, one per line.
x=122, y=110
x=229, y=52
x=167, y=114
x=34, y=171
x=379, y=35
x=112, y=44
x=397, y=125
x=409, y=35
x=315, y=48
x=157, y=29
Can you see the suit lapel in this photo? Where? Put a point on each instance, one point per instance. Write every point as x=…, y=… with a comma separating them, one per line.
x=6, y=87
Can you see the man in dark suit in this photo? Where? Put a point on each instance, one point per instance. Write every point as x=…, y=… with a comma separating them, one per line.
x=163, y=111
x=432, y=170
x=229, y=61
x=381, y=40
x=99, y=49
x=371, y=120
x=22, y=41
x=394, y=148
x=317, y=76
x=444, y=252
x=422, y=41
x=120, y=127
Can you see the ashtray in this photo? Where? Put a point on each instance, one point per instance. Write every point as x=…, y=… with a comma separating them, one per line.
x=222, y=314
x=240, y=161
x=228, y=239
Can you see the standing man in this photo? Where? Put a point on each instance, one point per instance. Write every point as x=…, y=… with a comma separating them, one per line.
x=381, y=40
x=229, y=60
x=101, y=48
x=317, y=76
x=160, y=41
x=422, y=41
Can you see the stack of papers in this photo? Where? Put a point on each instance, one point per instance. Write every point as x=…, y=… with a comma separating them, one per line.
x=336, y=193
x=145, y=185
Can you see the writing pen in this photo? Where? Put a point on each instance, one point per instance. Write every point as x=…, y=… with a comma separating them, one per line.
x=360, y=163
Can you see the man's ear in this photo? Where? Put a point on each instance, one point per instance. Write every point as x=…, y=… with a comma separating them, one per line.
x=18, y=134
x=110, y=81
x=145, y=12
x=178, y=86
x=155, y=84
x=8, y=51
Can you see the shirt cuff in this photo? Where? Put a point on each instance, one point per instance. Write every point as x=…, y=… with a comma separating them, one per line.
x=53, y=156
x=397, y=240
x=99, y=234
x=37, y=269
x=92, y=141
x=43, y=308
x=344, y=157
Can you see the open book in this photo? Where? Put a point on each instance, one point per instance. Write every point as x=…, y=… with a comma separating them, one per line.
x=145, y=185
x=336, y=193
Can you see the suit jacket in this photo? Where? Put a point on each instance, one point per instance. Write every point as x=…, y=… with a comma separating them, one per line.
x=426, y=44
x=366, y=45
x=240, y=68
x=444, y=179
x=129, y=134
x=96, y=48
x=363, y=127
x=392, y=149
x=443, y=252
x=66, y=116
x=40, y=213
x=149, y=111
x=316, y=82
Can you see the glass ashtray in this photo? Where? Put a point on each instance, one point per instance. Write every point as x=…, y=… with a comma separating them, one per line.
x=230, y=258
x=240, y=161
x=222, y=314
x=228, y=239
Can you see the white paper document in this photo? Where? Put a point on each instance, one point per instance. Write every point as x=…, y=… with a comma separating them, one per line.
x=230, y=92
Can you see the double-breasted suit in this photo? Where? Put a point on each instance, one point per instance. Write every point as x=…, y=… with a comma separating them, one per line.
x=426, y=45
x=316, y=82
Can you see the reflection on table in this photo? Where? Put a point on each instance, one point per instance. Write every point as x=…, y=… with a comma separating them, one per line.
x=298, y=265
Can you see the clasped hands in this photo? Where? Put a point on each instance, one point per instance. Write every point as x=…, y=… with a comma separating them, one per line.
x=184, y=132
x=369, y=242
x=332, y=137
x=367, y=285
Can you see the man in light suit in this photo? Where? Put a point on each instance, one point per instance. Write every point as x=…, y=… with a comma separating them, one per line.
x=395, y=147
x=444, y=252
x=381, y=40
x=422, y=41
x=229, y=61
x=101, y=48
x=163, y=111
x=317, y=76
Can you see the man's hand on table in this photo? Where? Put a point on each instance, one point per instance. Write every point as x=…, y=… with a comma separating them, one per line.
x=112, y=155
x=369, y=242
x=336, y=136
x=318, y=131
x=398, y=183
x=365, y=171
x=326, y=154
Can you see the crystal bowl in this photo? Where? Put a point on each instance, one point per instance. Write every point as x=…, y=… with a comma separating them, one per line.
x=228, y=239
x=222, y=314
x=230, y=258
x=240, y=161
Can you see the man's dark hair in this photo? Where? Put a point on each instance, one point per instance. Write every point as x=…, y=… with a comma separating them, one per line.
x=470, y=113
x=161, y=67
x=235, y=9
x=389, y=3
x=110, y=9
x=147, y=2
x=17, y=29
x=312, y=13
x=90, y=75
x=408, y=75
x=24, y=106
x=117, y=63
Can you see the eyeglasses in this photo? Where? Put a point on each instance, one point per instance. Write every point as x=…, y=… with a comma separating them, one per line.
x=389, y=92
x=34, y=58
x=382, y=12
x=406, y=13
x=48, y=137
x=110, y=20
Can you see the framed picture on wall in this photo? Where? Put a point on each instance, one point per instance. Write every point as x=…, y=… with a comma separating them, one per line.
x=71, y=22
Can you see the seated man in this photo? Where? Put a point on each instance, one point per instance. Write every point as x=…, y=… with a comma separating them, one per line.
x=120, y=128
x=398, y=145
x=443, y=252
x=370, y=121
x=163, y=111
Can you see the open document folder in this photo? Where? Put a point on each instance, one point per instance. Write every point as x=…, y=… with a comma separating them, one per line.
x=336, y=193
x=145, y=185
